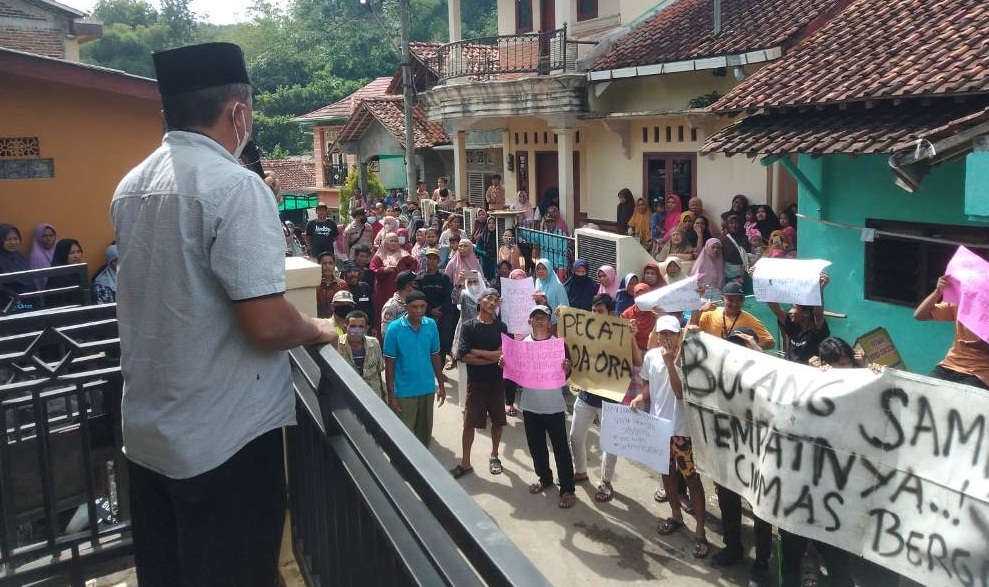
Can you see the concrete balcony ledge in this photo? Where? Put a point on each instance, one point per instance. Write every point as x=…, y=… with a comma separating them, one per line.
x=562, y=93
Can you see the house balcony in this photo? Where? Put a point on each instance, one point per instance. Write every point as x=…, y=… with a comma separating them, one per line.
x=508, y=75
x=335, y=174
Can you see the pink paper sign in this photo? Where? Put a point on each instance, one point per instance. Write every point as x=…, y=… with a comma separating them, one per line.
x=536, y=364
x=968, y=288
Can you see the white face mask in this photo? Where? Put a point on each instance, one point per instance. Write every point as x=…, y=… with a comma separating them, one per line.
x=401, y=240
x=372, y=219
x=241, y=142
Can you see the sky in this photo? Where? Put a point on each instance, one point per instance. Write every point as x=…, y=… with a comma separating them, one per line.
x=214, y=11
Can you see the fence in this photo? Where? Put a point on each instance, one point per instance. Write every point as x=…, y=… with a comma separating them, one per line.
x=557, y=248
x=62, y=474
x=483, y=58
x=17, y=296
x=370, y=505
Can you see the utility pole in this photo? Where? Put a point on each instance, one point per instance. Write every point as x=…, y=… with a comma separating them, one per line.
x=408, y=91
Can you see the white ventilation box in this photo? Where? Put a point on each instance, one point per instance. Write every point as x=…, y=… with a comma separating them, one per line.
x=428, y=208
x=622, y=252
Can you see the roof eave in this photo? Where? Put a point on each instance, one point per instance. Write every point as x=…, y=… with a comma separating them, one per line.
x=700, y=64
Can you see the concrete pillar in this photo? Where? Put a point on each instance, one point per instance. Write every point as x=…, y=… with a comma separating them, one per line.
x=459, y=179
x=564, y=148
x=301, y=278
x=456, y=22
x=317, y=150
x=563, y=13
x=509, y=179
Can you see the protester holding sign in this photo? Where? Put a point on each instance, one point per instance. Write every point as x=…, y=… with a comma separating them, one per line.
x=587, y=407
x=967, y=360
x=665, y=395
x=804, y=327
x=544, y=413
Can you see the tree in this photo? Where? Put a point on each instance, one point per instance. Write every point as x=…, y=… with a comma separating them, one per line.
x=180, y=20
x=133, y=13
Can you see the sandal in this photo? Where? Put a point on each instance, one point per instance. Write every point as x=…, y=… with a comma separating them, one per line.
x=605, y=492
x=494, y=466
x=459, y=471
x=660, y=495
x=537, y=487
x=580, y=477
x=567, y=500
x=686, y=504
x=701, y=547
x=669, y=526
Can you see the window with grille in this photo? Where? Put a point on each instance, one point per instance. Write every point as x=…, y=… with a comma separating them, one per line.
x=587, y=9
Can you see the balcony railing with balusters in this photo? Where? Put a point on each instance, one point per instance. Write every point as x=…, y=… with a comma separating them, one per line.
x=507, y=55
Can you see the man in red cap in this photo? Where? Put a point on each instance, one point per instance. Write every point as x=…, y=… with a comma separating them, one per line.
x=203, y=329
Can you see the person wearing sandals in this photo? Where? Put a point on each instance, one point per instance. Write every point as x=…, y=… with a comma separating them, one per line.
x=664, y=386
x=586, y=409
x=480, y=350
x=544, y=413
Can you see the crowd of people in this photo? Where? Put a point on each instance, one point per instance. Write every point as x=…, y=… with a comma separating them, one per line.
x=47, y=250
x=443, y=308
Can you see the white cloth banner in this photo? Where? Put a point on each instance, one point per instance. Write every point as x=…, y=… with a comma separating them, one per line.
x=891, y=467
x=638, y=436
x=516, y=303
x=788, y=281
x=675, y=297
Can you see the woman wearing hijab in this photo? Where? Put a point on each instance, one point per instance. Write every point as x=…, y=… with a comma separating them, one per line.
x=466, y=292
x=549, y=290
x=486, y=247
x=530, y=213
x=696, y=206
x=390, y=260
x=734, y=249
x=739, y=204
x=710, y=266
x=42, y=249
x=652, y=277
x=11, y=260
x=639, y=222
x=389, y=225
x=766, y=221
x=645, y=320
x=580, y=287
x=677, y=246
x=509, y=251
x=403, y=240
x=700, y=232
x=674, y=209
x=463, y=261
x=67, y=252
x=626, y=207
x=672, y=269
x=607, y=281
x=105, y=280
x=625, y=297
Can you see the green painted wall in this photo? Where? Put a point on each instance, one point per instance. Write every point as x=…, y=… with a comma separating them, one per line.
x=853, y=189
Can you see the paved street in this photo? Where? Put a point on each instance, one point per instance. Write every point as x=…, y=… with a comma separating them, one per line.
x=598, y=544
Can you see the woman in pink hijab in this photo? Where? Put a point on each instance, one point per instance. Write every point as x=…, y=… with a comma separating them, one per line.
x=608, y=278
x=674, y=208
x=464, y=260
x=710, y=266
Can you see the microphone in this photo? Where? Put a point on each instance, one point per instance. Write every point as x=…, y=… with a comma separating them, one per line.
x=250, y=157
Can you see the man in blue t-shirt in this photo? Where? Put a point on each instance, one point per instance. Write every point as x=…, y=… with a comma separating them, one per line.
x=413, y=373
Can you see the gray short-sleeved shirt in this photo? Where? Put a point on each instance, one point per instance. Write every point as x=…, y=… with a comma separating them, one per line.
x=196, y=232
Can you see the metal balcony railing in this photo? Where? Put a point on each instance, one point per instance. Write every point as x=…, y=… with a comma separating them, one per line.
x=490, y=57
x=16, y=296
x=335, y=174
x=370, y=504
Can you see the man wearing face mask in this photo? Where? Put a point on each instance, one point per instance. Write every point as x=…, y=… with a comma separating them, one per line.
x=343, y=304
x=207, y=386
x=362, y=352
x=360, y=292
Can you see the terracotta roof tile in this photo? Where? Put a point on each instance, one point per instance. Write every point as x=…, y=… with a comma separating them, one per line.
x=345, y=107
x=877, y=49
x=294, y=175
x=684, y=31
x=886, y=128
x=389, y=112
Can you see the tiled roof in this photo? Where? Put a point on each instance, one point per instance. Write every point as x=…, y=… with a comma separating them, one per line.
x=885, y=128
x=684, y=30
x=878, y=49
x=424, y=67
x=294, y=176
x=389, y=112
x=344, y=108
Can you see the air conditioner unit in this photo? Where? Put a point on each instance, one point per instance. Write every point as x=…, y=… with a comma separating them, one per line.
x=622, y=252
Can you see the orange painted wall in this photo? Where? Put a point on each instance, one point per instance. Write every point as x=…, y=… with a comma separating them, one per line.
x=95, y=137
